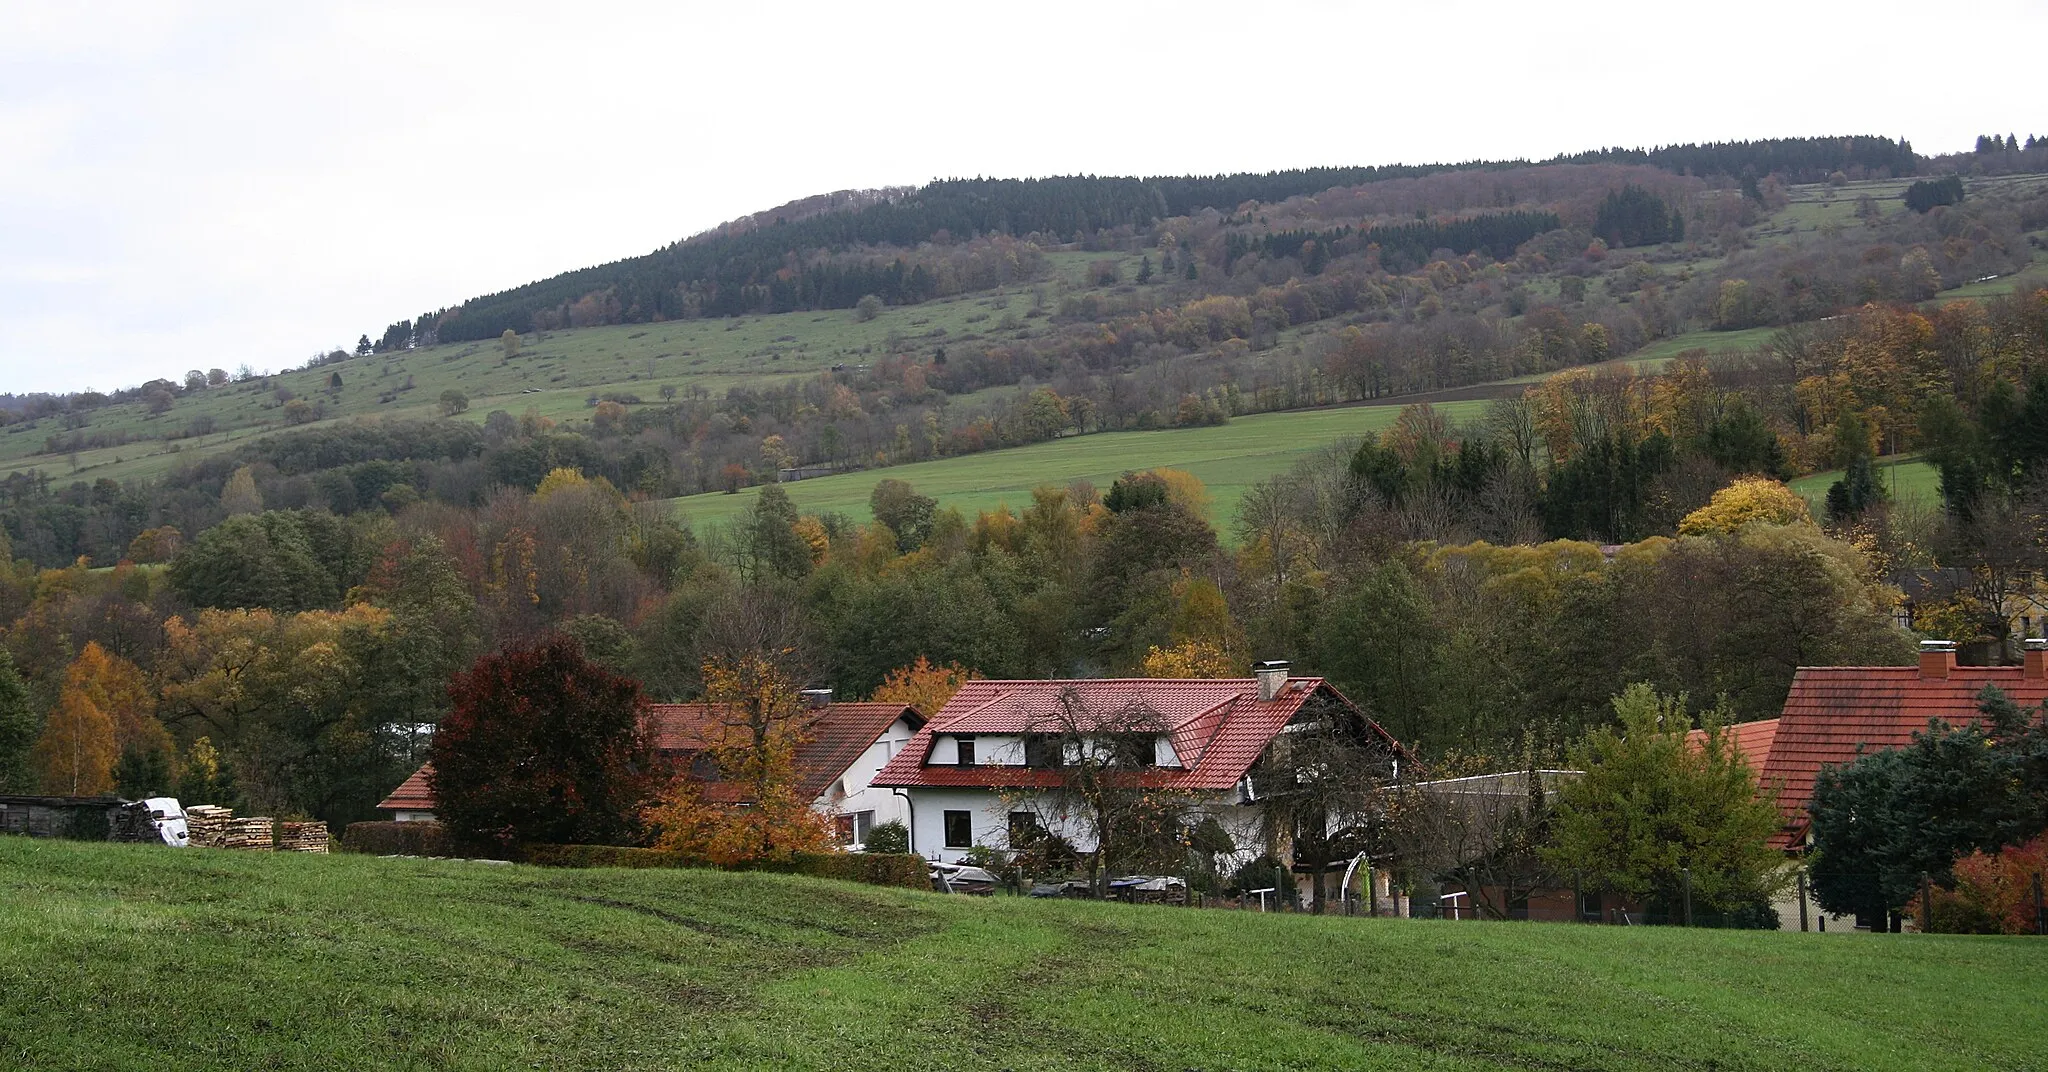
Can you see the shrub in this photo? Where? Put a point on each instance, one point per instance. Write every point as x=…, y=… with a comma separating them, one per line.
x=873, y=868
x=397, y=839
x=887, y=838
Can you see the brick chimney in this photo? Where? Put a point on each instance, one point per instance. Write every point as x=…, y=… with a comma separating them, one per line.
x=1937, y=658
x=2034, y=658
x=1272, y=676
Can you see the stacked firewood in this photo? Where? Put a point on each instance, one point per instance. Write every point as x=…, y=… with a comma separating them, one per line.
x=208, y=825
x=256, y=833
x=302, y=837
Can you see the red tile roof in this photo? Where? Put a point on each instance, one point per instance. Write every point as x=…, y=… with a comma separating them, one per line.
x=413, y=794
x=837, y=735
x=1219, y=728
x=1832, y=712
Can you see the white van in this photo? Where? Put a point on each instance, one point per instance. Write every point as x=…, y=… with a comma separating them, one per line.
x=169, y=817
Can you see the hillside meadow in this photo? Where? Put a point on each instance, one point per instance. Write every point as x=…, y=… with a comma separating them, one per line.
x=128, y=957
x=1227, y=458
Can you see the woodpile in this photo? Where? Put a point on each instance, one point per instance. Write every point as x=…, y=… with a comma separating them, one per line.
x=208, y=825
x=256, y=834
x=302, y=837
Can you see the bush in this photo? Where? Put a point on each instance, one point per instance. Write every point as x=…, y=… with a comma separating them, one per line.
x=397, y=839
x=888, y=838
x=873, y=868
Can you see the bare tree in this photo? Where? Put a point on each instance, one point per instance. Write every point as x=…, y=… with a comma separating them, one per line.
x=1323, y=788
x=1109, y=790
x=1480, y=832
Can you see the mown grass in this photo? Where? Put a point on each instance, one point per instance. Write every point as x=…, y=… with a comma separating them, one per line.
x=1228, y=459
x=118, y=957
x=1906, y=478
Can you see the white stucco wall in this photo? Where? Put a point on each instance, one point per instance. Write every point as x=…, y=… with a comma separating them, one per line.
x=852, y=792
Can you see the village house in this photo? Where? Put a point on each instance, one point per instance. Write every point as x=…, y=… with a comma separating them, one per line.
x=1835, y=713
x=971, y=775
x=845, y=745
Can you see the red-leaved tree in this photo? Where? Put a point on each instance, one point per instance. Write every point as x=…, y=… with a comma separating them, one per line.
x=543, y=745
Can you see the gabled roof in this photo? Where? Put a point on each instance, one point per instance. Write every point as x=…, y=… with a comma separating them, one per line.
x=1218, y=728
x=838, y=734
x=1835, y=713
x=413, y=794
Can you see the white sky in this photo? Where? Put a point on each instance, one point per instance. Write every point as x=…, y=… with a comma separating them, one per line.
x=211, y=184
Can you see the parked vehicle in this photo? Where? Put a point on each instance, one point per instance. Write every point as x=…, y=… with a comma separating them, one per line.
x=963, y=878
x=169, y=817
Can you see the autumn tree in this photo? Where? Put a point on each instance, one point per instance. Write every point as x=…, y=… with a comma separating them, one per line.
x=542, y=745
x=1745, y=501
x=118, y=689
x=923, y=686
x=1106, y=793
x=75, y=754
x=757, y=721
x=19, y=728
x=1654, y=816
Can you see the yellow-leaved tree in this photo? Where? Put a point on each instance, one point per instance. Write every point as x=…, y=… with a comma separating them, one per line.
x=1746, y=500
x=923, y=686
x=75, y=754
x=1189, y=658
x=757, y=722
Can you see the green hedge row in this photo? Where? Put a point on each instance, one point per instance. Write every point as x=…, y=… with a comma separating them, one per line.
x=397, y=839
x=906, y=870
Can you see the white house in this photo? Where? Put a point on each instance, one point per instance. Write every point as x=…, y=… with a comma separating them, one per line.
x=971, y=770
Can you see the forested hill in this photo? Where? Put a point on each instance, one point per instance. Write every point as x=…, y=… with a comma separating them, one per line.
x=775, y=268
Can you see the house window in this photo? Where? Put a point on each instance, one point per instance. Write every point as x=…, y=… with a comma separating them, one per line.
x=863, y=821
x=966, y=746
x=1044, y=751
x=1025, y=829
x=959, y=830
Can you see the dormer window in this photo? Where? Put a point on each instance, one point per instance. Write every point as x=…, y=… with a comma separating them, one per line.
x=966, y=750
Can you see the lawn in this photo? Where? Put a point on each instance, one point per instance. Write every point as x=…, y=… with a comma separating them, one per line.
x=1228, y=458
x=131, y=957
x=1907, y=479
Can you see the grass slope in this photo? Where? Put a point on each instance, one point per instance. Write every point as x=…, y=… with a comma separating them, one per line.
x=120, y=957
x=1906, y=478
x=1229, y=458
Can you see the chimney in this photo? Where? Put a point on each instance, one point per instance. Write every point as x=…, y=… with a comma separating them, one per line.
x=2034, y=659
x=817, y=699
x=1937, y=658
x=1272, y=675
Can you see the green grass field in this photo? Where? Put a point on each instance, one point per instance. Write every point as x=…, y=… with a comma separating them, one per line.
x=131, y=957
x=1906, y=478
x=1228, y=458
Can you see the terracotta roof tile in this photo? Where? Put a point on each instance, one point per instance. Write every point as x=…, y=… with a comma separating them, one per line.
x=1218, y=727
x=413, y=794
x=1834, y=713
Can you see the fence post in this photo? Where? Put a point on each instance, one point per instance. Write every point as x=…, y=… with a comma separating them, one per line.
x=1685, y=873
x=1926, y=904
x=1280, y=890
x=1802, y=902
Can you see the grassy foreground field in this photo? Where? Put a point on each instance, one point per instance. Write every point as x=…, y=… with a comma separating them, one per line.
x=1228, y=458
x=119, y=957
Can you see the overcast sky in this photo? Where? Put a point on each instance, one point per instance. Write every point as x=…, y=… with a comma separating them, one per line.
x=211, y=184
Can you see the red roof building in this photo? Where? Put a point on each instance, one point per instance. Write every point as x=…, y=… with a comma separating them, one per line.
x=1205, y=736
x=1835, y=713
x=846, y=744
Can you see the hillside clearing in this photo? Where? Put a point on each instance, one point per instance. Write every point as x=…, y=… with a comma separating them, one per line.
x=1907, y=479
x=118, y=957
x=1228, y=458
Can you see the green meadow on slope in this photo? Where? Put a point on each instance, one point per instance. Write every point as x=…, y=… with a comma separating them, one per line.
x=128, y=957
x=1228, y=458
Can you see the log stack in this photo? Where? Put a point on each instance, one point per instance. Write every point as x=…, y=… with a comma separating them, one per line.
x=256, y=834
x=208, y=825
x=302, y=837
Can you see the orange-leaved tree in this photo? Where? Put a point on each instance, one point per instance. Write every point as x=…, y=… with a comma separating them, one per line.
x=923, y=686
x=757, y=722
x=75, y=753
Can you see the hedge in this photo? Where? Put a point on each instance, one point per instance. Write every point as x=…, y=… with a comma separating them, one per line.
x=397, y=839
x=906, y=870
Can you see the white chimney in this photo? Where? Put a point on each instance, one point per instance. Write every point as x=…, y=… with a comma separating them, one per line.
x=1272, y=676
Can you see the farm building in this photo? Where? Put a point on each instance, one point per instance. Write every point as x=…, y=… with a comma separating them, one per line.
x=845, y=745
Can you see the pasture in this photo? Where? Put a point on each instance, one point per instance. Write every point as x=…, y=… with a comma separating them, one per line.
x=118, y=957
